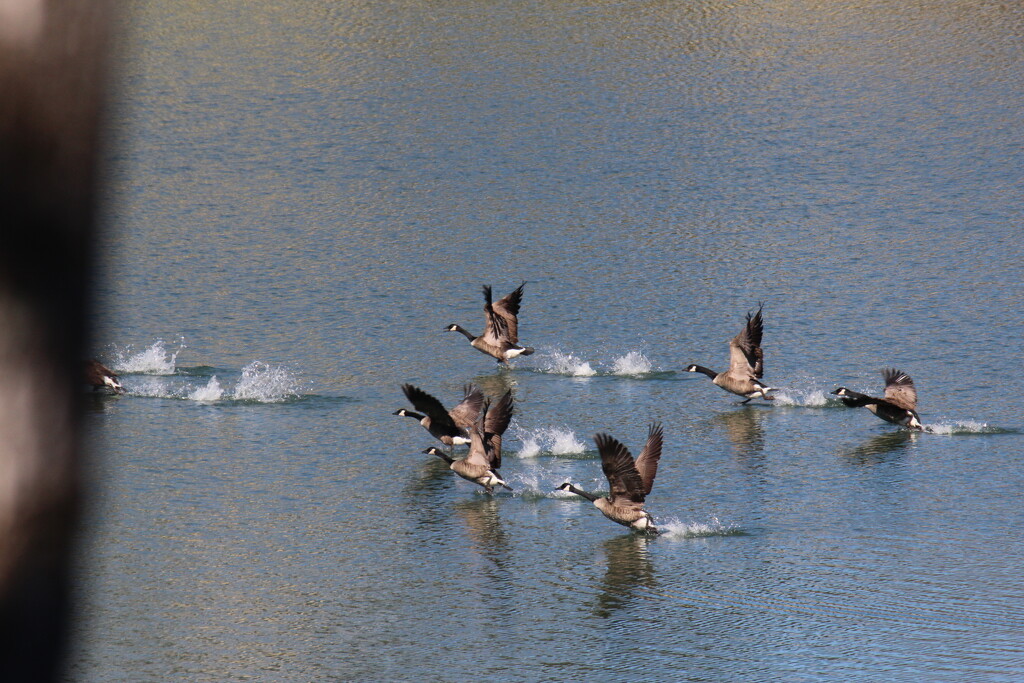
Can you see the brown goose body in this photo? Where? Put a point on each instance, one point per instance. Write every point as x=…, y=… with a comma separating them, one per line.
x=746, y=363
x=500, y=339
x=450, y=427
x=99, y=376
x=481, y=464
x=899, y=405
x=629, y=481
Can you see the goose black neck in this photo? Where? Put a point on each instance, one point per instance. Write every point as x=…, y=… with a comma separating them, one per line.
x=707, y=371
x=465, y=333
x=444, y=456
x=857, y=400
x=589, y=496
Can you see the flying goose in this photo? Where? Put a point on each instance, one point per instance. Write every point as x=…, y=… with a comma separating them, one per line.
x=99, y=376
x=629, y=481
x=899, y=405
x=450, y=427
x=501, y=334
x=746, y=363
x=481, y=465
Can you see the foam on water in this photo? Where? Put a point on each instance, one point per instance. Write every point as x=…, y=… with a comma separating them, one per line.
x=806, y=398
x=713, y=527
x=258, y=382
x=265, y=383
x=150, y=388
x=209, y=393
x=154, y=360
x=633, y=363
x=551, y=441
x=567, y=364
x=961, y=427
x=532, y=485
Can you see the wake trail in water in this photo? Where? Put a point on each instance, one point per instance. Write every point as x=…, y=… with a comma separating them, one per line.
x=259, y=382
x=632, y=364
x=675, y=528
x=964, y=427
x=266, y=384
x=804, y=398
x=559, y=363
x=550, y=441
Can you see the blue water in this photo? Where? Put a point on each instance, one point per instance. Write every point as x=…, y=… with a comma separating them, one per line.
x=300, y=198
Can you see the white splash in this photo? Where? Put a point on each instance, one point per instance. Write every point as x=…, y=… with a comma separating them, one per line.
x=564, y=442
x=265, y=383
x=964, y=427
x=209, y=393
x=551, y=440
x=813, y=398
x=151, y=388
x=713, y=527
x=568, y=364
x=530, y=448
x=154, y=360
x=633, y=363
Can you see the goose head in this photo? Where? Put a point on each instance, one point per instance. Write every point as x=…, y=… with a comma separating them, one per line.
x=840, y=391
x=434, y=450
x=453, y=328
x=691, y=368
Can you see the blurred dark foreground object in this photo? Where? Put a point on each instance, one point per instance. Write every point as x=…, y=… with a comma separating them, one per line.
x=51, y=91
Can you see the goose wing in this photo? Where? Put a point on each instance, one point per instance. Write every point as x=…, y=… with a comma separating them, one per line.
x=647, y=461
x=496, y=331
x=477, y=450
x=431, y=407
x=464, y=414
x=495, y=425
x=746, y=359
x=507, y=308
x=617, y=464
x=899, y=389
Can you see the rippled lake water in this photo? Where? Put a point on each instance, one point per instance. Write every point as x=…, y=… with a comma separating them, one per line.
x=301, y=197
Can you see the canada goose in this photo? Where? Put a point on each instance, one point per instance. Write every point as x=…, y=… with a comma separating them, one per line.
x=481, y=464
x=501, y=334
x=629, y=481
x=99, y=376
x=746, y=363
x=899, y=405
x=450, y=427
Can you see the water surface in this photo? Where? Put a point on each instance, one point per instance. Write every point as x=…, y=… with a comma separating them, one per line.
x=301, y=198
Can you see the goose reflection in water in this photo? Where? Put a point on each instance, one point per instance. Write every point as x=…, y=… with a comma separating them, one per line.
x=423, y=496
x=629, y=570
x=432, y=476
x=743, y=427
x=882, y=448
x=497, y=382
x=481, y=520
